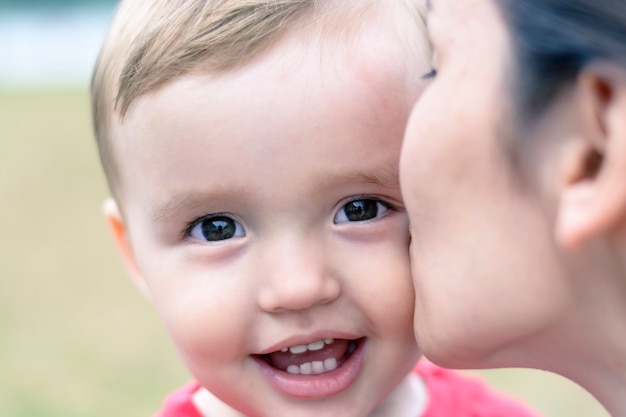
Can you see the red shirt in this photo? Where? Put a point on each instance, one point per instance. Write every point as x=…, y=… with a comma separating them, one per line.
x=450, y=394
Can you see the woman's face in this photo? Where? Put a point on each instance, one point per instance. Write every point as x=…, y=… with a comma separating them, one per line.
x=484, y=266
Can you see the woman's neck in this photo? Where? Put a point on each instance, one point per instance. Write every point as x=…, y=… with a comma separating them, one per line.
x=588, y=347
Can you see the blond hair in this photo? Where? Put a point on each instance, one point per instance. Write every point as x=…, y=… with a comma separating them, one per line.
x=154, y=42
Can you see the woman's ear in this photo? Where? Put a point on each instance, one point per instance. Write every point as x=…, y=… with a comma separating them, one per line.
x=593, y=201
x=120, y=234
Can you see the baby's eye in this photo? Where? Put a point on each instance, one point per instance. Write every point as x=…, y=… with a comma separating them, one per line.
x=216, y=228
x=361, y=210
x=430, y=74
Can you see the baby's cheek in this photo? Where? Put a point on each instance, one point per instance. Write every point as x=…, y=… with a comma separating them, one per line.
x=393, y=290
x=197, y=328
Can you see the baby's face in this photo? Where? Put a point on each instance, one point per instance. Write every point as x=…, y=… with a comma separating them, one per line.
x=264, y=215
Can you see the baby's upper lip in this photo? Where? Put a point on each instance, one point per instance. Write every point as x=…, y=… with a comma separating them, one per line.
x=308, y=338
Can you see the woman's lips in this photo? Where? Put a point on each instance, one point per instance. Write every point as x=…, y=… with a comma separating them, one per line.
x=315, y=370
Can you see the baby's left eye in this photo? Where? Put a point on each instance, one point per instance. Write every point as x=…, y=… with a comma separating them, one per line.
x=361, y=210
x=216, y=228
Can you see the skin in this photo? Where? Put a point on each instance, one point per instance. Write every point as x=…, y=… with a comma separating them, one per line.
x=518, y=242
x=280, y=148
x=475, y=189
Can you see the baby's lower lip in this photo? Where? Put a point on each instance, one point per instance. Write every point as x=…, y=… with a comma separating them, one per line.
x=319, y=385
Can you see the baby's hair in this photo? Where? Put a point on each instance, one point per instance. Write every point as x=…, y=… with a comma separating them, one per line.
x=154, y=42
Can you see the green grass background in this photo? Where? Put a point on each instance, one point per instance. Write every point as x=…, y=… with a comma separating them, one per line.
x=76, y=339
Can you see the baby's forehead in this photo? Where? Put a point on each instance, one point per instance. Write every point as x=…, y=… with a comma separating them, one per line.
x=372, y=56
x=280, y=104
x=296, y=64
x=164, y=55
x=337, y=39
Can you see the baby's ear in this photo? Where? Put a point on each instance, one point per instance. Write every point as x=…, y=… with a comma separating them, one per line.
x=120, y=234
x=593, y=202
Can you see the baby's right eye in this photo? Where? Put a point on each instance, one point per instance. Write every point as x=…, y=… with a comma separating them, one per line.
x=430, y=74
x=216, y=228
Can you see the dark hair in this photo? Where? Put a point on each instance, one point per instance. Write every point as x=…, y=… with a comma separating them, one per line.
x=553, y=40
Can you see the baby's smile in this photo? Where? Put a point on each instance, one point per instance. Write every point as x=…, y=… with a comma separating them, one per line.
x=313, y=358
x=317, y=369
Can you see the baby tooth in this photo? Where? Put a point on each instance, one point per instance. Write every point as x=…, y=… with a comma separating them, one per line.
x=313, y=346
x=284, y=350
x=319, y=345
x=313, y=368
x=318, y=367
x=306, y=368
x=297, y=349
x=330, y=364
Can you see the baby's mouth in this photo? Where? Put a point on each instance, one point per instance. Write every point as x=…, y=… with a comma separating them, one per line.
x=313, y=358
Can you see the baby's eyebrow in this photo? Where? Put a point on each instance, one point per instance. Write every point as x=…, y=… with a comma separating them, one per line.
x=385, y=177
x=196, y=200
x=163, y=211
x=192, y=200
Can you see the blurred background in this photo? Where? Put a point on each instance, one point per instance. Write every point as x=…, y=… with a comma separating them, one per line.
x=76, y=339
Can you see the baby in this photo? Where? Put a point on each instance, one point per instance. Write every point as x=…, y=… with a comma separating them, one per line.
x=251, y=148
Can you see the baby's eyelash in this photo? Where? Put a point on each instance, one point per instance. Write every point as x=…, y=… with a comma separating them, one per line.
x=391, y=206
x=430, y=74
x=186, y=232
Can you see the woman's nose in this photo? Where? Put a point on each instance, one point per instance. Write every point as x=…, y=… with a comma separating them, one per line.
x=295, y=276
